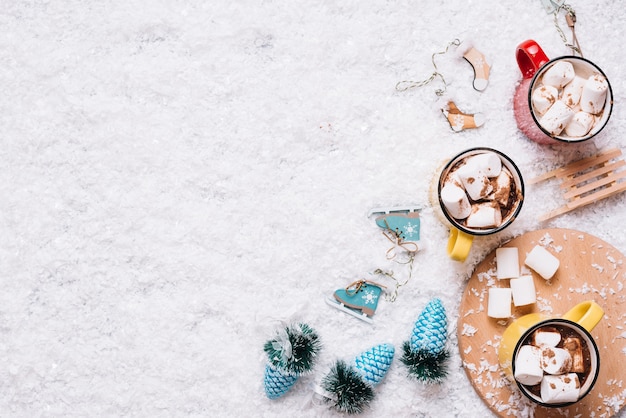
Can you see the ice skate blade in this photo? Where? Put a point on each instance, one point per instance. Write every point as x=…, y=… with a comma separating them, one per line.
x=394, y=209
x=335, y=304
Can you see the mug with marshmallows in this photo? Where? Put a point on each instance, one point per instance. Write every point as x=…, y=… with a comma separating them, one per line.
x=480, y=192
x=554, y=361
x=564, y=100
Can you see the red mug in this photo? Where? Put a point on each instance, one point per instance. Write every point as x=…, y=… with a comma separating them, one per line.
x=551, y=107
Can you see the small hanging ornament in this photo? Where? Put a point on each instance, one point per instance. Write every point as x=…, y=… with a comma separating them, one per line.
x=401, y=227
x=457, y=119
x=425, y=353
x=350, y=388
x=291, y=353
x=555, y=7
x=359, y=299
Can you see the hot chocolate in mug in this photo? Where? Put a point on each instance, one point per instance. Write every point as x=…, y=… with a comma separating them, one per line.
x=564, y=100
x=480, y=192
x=554, y=361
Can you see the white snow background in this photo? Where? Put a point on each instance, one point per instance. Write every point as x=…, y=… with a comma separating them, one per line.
x=177, y=177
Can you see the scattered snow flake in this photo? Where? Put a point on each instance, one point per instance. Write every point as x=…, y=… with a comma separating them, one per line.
x=622, y=335
x=468, y=349
x=558, y=248
x=597, y=267
x=544, y=305
x=469, y=366
x=614, y=402
x=546, y=240
x=468, y=330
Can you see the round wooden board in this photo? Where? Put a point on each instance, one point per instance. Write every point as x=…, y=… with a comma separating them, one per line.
x=590, y=269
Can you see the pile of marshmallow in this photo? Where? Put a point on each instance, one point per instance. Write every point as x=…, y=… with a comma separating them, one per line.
x=476, y=191
x=522, y=287
x=567, y=102
x=553, y=362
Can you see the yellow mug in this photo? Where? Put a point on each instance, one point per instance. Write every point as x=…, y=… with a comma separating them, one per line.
x=579, y=321
x=462, y=236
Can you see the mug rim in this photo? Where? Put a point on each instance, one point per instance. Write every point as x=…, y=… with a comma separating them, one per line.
x=511, y=217
x=532, y=329
x=540, y=71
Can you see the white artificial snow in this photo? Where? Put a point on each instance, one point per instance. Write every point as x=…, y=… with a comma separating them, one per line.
x=179, y=179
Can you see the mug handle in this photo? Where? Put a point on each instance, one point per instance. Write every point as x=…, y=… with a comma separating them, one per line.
x=459, y=244
x=530, y=57
x=587, y=314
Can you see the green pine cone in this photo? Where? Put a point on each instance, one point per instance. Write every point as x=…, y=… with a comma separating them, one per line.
x=352, y=393
x=425, y=366
x=294, y=349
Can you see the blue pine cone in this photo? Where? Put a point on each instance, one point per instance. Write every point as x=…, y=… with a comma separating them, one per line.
x=276, y=383
x=374, y=363
x=290, y=353
x=425, y=354
x=352, y=387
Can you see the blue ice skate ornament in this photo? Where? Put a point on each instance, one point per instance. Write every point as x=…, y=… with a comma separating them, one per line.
x=291, y=353
x=425, y=354
x=349, y=388
x=359, y=299
x=401, y=226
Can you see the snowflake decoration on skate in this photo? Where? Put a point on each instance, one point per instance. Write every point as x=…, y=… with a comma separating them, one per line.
x=411, y=229
x=370, y=297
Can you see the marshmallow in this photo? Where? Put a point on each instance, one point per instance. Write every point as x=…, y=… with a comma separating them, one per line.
x=507, y=262
x=544, y=97
x=556, y=118
x=488, y=162
x=574, y=346
x=475, y=182
x=580, y=125
x=547, y=336
x=573, y=90
x=555, y=360
x=559, y=74
x=454, y=179
x=560, y=389
x=499, y=303
x=542, y=261
x=523, y=291
x=502, y=188
x=528, y=369
x=484, y=215
x=455, y=201
x=593, y=95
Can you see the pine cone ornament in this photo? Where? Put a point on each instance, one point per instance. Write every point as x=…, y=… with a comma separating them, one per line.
x=276, y=383
x=351, y=387
x=374, y=363
x=425, y=354
x=290, y=353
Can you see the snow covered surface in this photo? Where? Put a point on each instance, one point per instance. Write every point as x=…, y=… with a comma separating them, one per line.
x=179, y=177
